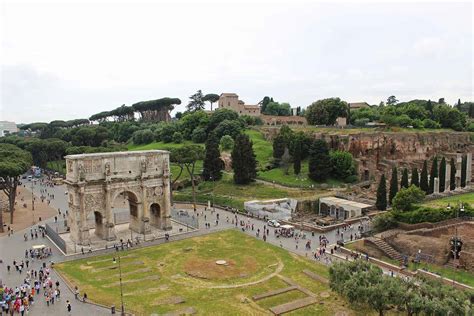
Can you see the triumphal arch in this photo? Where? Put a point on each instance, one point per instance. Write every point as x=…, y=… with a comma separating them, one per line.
x=94, y=181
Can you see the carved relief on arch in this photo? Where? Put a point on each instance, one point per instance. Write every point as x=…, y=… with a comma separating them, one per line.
x=94, y=202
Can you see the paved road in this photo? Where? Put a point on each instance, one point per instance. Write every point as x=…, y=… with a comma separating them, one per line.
x=13, y=247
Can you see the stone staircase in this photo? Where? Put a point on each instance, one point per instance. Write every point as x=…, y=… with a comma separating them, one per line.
x=385, y=248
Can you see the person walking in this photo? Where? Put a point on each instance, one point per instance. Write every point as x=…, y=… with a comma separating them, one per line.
x=68, y=307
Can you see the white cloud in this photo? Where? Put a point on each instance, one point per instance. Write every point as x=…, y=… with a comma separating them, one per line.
x=61, y=61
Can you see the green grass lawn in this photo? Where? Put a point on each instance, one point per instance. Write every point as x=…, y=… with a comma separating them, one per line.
x=302, y=180
x=182, y=274
x=453, y=200
x=230, y=194
x=263, y=149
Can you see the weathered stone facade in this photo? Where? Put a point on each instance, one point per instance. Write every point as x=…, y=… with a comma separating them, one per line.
x=94, y=181
x=378, y=151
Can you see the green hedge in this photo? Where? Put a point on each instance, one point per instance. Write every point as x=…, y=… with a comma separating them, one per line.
x=431, y=215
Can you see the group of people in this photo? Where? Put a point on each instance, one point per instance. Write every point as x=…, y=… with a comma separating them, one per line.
x=37, y=285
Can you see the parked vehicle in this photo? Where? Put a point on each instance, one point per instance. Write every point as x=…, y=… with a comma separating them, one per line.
x=273, y=223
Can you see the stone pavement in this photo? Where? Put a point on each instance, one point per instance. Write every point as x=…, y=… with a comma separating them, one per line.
x=14, y=247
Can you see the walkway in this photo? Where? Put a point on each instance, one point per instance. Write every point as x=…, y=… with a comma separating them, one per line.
x=13, y=248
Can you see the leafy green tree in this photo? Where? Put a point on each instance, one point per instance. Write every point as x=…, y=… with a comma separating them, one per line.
x=424, y=185
x=342, y=164
x=326, y=111
x=227, y=143
x=186, y=157
x=279, y=145
x=393, y=185
x=406, y=197
x=381, y=202
x=244, y=162
x=213, y=165
x=319, y=161
x=452, y=178
x=266, y=100
x=199, y=135
x=463, y=171
x=442, y=175
x=392, y=100
x=275, y=108
x=211, y=98
x=196, y=102
x=433, y=174
x=404, y=181
x=429, y=106
x=155, y=110
x=231, y=128
x=167, y=131
x=177, y=137
x=13, y=163
x=191, y=121
x=219, y=116
x=415, y=178
x=144, y=136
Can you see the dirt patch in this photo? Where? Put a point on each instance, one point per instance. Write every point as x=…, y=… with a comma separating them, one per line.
x=23, y=217
x=209, y=270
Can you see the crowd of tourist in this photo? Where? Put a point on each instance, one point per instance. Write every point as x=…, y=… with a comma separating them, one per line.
x=37, y=286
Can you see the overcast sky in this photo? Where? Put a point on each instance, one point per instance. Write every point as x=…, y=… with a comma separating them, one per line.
x=66, y=61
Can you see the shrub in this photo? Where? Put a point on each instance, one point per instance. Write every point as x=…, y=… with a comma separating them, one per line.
x=406, y=197
x=470, y=127
x=429, y=123
x=384, y=222
x=351, y=179
x=199, y=135
x=145, y=136
x=178, y=138
x=361, y=122
x=227, y=143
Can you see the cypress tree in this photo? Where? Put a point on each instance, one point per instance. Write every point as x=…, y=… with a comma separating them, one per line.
x=463, y=171
x=404, y=182
x=429, y=107
x=381, y=202
x=393, y=185
x=243, y=160
x=319, y=162
x=213, y=165
x=415, y=178
x=442, y=175
x=452, y=178
x=297, y=153
x=424, y=178
x=279, y=145
x=433, y=174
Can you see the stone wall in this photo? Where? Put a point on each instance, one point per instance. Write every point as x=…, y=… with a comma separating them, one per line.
x=378, y=151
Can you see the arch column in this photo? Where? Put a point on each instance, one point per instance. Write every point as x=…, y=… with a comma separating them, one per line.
x=109, y=229
x=82, y=232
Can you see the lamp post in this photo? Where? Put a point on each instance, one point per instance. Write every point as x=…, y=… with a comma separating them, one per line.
x=122, y=310
x=456, y=238
x=213, y=207
x=32, y=201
